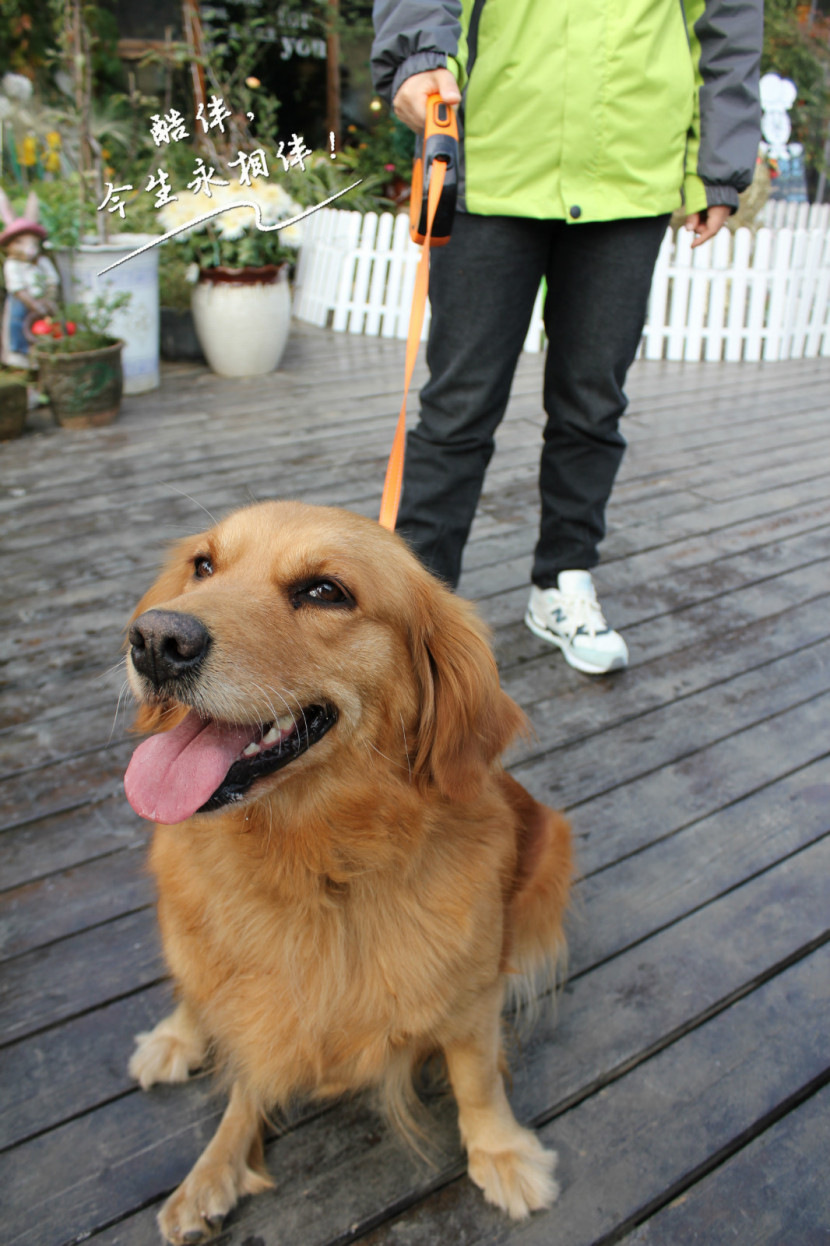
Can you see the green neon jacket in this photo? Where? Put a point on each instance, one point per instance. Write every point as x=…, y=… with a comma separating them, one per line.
x=589, y=110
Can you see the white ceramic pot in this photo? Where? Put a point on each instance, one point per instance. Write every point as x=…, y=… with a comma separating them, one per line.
x=137, y=324
x=242, y=318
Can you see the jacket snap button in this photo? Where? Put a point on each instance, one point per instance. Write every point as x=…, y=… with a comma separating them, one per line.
x=576, y=212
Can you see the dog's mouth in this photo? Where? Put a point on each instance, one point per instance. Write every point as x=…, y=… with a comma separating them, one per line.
x=202, y=764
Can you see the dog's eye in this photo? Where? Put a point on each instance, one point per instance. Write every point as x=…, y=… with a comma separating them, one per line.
x=321, y=593
x=202, y=567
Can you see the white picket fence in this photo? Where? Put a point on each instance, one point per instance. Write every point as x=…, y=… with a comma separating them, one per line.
x=795, y=215
x=742, y=296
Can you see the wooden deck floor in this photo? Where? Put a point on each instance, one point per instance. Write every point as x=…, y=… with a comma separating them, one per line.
x=685, y=1080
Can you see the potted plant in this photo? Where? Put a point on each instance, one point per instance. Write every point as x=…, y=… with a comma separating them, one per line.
x=241, y=298
x=79, y=361
x=79, y=255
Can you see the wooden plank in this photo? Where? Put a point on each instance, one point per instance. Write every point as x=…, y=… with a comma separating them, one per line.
x=37, y=847
x=49, y=738
x=98, y=773
x=780, y=685
x=67, y=660
x=41, y=988
x=61, y=904
x=672, y=574
x=773, y=1192
x=47, y=1079
x=62, y=731
x=584, y=708
x=66, y=902
x=727, y=782
x=621, y=1151
x=208, y=451
x=517, y=542
x=654, y=806
x=652, y=740
x=702, y=861
x=341, y=1172
x=652, y=637
x=190, y=525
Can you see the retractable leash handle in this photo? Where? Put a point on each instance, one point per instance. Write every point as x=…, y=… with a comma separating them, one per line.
x=431, y=210
x=439, y=142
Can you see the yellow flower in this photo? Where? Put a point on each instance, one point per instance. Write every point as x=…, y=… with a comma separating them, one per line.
x=53, y=139
x=51, y=162
x=27, y=152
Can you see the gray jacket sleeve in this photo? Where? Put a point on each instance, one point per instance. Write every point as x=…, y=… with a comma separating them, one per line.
x=411, y=36
x=731, y=36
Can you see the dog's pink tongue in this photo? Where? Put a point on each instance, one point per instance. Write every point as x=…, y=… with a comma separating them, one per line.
x=171, y=775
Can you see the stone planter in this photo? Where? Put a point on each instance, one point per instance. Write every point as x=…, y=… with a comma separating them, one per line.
x=84, y=387
x=242, y=318
x=137, y=324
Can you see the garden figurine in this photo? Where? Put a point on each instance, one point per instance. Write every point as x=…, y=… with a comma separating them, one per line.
x=30, y=278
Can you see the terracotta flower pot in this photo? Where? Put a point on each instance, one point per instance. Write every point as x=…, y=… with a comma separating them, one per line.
x=13, y=406
x=242, y=318
x=84, y=387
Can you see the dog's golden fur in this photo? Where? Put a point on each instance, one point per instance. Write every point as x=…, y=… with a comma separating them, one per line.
x=363, y=907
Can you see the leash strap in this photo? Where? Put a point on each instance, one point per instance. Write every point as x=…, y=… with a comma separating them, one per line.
x=394, y=471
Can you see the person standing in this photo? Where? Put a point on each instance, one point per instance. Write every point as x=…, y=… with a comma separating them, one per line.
x=581, y=122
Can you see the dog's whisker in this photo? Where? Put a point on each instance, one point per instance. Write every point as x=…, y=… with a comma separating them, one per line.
x=405, y=746
x=123, y=692
x=398, y=766
x=274, y=712
x=287, y=705
x=302, y=712
x=175, y=489
x=109, y=670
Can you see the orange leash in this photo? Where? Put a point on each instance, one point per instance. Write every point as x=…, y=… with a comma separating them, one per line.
x=394, y=471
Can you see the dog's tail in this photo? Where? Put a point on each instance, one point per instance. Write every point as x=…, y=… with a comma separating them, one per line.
x=535, y=950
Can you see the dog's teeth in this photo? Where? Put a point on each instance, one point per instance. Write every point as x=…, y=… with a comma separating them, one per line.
x=251, y=750
x=285, y=722
x=271, y=737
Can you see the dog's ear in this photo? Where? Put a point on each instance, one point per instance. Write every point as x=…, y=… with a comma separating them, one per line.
x=466, y=720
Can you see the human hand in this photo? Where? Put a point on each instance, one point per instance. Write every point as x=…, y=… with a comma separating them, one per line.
x=410, y=102
x=704, y=225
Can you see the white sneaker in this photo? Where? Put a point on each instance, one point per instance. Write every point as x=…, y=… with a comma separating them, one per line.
x=571, y=617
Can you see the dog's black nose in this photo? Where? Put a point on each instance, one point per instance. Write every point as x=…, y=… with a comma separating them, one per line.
x=167, y=645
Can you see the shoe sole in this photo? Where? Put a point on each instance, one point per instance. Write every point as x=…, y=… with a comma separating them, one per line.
x=579, y=664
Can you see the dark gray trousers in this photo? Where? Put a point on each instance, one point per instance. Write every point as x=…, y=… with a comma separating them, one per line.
x=482, y=287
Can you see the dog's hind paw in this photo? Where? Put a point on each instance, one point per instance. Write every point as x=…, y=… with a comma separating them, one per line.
x=519, y=1179
x=168, y=1053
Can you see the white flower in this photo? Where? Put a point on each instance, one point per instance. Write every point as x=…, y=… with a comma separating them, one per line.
x=17, y=87
x=276, y=204
x=231, y=225
x=181, y=211
x=292, y=236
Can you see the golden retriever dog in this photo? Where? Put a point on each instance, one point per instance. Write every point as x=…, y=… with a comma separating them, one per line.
x=347, y=877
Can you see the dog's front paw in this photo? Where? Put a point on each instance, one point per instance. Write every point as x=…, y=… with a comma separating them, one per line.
x=168, y=1053
x=519, y=1179
x=196, y=1210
